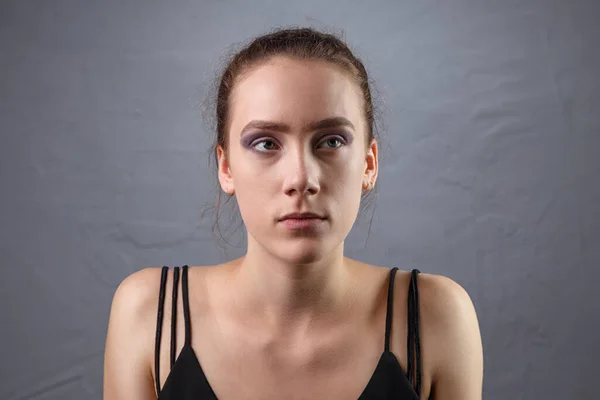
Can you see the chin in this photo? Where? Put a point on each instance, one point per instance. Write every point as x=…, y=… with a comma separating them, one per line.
x=302, y=251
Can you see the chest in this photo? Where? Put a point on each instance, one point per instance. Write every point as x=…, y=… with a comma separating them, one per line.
x=239, y=371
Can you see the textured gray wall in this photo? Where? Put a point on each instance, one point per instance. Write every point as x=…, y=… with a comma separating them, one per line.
x=490, y=173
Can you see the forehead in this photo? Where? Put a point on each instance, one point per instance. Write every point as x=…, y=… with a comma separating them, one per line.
x=295, y=92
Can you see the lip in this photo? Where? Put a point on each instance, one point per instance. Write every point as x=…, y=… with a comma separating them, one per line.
x=302, y=224
x=302, y=221
x=301, y=215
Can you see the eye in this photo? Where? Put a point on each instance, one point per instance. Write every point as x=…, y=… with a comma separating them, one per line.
x=268, y=145
x=333, y=142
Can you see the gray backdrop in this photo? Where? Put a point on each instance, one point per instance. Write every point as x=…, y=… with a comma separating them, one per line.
x=489, y=176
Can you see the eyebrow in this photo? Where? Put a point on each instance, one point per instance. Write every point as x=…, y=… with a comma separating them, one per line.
x=281, y=127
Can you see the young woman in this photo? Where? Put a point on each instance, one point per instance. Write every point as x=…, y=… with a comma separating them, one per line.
x=293, y=318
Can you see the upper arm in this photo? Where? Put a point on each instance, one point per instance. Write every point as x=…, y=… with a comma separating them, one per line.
x=128, y=350
x=458, y=373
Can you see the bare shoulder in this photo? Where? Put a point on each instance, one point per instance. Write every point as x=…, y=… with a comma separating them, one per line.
x=443, y=298
x=446, y=310
x=449, y=322
x=129, y=340
x=137, y=295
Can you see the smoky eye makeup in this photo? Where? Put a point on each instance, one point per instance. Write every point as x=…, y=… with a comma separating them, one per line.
x=249, y=140
x=345, y=136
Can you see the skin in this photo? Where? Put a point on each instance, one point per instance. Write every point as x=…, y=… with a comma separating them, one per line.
x=294, y=318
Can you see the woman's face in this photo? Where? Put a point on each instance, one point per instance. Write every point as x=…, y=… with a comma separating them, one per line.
x=297, y=143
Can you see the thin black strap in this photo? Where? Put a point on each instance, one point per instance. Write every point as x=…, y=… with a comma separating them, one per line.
x=186, y=304
x=390, y=309
x=174, y=314
x=413, y=340
x=159, y=319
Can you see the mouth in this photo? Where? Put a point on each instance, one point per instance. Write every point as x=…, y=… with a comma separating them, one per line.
x=303, y=224
x=302, y=221
x=301, y=216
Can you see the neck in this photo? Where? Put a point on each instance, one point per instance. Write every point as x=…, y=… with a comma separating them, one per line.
x=291, y=296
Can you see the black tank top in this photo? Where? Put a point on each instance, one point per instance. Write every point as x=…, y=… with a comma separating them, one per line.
x=186, y=380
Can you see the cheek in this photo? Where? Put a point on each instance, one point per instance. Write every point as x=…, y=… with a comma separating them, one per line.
x=254, y=192
x=256, y=188
x=351, y=187
x=248, y=174
x=345, y=189
x=348, y=174
x=255, y=210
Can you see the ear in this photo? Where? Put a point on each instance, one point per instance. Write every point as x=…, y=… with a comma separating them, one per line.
x=224, y=172
x=371, y=166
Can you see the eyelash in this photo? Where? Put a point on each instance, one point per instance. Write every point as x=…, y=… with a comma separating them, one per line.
x=339, y=138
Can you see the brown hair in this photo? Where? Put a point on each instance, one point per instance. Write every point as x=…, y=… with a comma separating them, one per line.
x=301, y=43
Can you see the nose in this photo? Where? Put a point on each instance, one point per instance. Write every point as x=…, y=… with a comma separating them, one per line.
x=301, y=173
